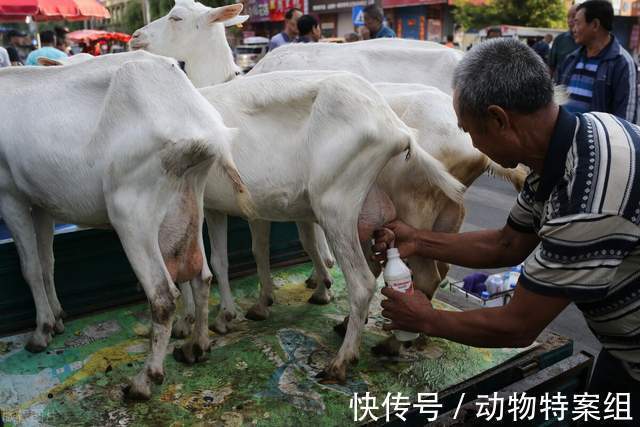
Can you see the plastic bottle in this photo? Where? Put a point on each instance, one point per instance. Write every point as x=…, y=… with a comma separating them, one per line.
x=398, y=277
x=494, y=283
x=514, y=275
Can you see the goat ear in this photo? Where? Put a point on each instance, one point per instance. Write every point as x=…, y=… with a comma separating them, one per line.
x=46, y=62
x=235, y=21
x=224, y=13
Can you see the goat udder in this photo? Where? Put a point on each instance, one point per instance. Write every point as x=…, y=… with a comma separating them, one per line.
x=377, y=210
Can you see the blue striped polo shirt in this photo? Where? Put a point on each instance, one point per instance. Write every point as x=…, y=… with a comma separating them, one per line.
x=580, y=87
x=585, y=208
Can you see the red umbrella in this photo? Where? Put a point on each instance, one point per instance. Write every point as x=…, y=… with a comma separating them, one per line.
x=52, y=10
x=88, y=36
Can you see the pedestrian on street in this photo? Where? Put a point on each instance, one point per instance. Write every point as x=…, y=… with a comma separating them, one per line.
x=16, y=40
x=308, y=30
x=563, y=44
x=578, y=215
x=48, y=41
x=374, y=21
x=61, y=39
x=601, y=74
x=4, y=58
x=290, y=31
x=351, y=37
x=541, y=47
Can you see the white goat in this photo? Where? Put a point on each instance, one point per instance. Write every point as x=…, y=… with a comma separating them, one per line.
x=122, y=141
x=210, y=63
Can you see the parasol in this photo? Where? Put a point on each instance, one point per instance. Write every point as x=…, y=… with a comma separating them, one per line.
x=89, y=36
x=52, y=10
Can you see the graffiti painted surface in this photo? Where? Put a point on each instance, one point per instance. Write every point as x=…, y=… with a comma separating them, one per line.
x=263, y=373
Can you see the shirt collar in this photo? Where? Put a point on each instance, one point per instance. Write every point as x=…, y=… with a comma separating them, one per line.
x=285, y=37
x=554, y=161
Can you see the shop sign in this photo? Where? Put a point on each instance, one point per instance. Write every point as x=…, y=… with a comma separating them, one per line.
x=357, y=16
x=277, y=8
x=258, y=10
x=335, y=6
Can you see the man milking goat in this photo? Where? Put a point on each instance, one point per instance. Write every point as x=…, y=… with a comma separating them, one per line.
x=576, y=222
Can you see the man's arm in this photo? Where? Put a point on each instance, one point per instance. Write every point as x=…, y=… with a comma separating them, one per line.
x=476, y=249
x=516, y=324
x=624, y=90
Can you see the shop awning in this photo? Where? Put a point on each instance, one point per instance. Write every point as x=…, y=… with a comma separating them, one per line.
x=52, y=10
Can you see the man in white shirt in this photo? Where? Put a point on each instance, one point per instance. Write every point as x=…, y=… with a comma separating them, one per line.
x=290, y=31
x=4, y=58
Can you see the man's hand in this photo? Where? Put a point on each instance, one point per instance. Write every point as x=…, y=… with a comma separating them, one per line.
x=406, y=312
x=405, y=238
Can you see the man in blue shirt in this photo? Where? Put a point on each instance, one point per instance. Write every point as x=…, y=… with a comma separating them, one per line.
x=373, y=20
x=290, y=31
x=48, y=41
x=601, y=75
x=308, y=30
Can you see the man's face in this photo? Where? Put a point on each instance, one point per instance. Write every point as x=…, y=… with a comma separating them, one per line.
x=584, y=32
x=292, y=24
x=372, y=24
x=571, y=16
x=488, y=137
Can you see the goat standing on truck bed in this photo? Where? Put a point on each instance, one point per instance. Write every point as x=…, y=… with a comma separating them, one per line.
x=122, y=141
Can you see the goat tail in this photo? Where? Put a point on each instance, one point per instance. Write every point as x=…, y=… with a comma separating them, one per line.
x=241, y=192
x=433, y=171
x=516, y=176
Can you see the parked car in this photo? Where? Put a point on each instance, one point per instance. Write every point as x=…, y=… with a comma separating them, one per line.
x=250, y=52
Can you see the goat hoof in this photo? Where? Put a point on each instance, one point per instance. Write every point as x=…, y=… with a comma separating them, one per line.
x=311, y=283
x=220, y=327
x=38, y=342
x=156, y=377
x=389, y=348
x=136, y=391
x=320, y=299
x=334, y=374
x=257, y=313
x=180, y=330
x=59, y=326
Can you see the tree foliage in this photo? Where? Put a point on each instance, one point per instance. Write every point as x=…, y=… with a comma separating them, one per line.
x=133, y=18
x=529, y=13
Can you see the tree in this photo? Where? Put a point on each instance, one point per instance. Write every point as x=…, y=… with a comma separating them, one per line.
x=133, y=19
x=529, y=13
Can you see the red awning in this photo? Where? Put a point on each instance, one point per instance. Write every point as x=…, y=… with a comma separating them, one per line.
x=88, y=36
x=52, y=10
x=18, y=7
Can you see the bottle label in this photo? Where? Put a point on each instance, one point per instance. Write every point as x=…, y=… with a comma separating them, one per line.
x=404, y=286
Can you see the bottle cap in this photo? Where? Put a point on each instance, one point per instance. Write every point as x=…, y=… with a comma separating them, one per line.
x=393, y=252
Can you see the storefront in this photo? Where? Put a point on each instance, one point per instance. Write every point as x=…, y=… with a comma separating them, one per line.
x=335, y=16
x=419, y=19
x=266, y=17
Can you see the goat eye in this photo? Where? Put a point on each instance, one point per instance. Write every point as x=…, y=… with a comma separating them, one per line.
x=175, y=18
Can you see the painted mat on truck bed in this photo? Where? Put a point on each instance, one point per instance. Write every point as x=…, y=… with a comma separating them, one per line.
x=263, y=373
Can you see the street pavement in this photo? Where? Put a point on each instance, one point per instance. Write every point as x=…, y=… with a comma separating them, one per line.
x=487, y=204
